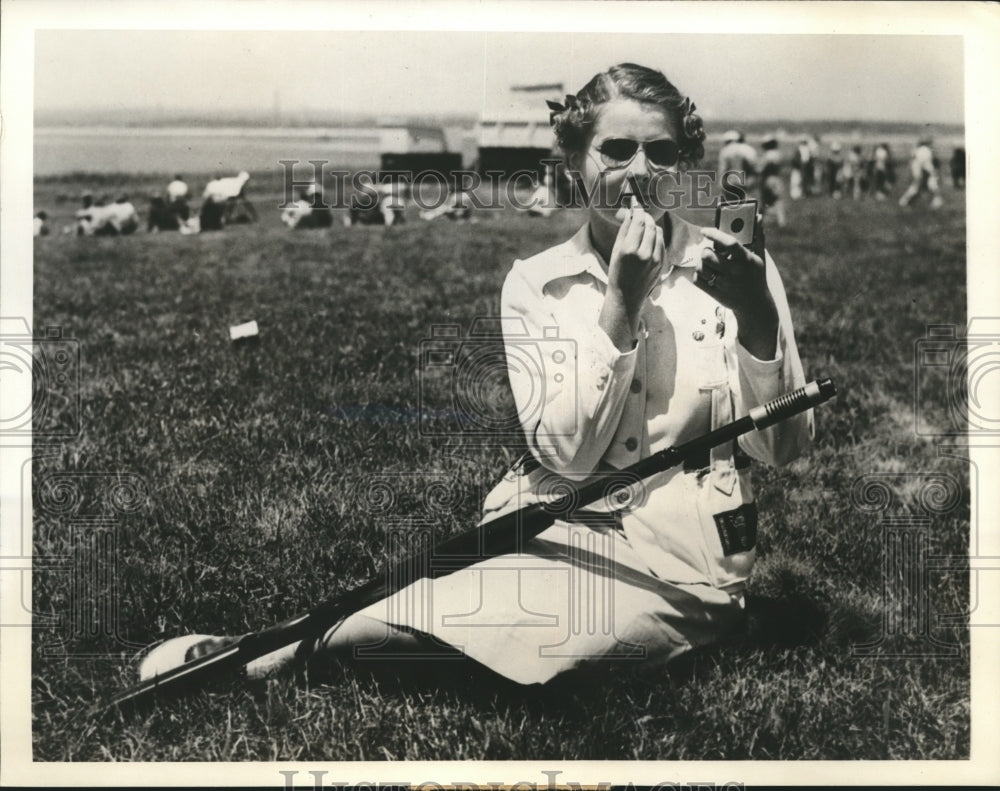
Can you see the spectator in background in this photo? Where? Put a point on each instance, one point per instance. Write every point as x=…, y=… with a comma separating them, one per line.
x=772, y=187
x=83, y=213
x=40, y=226
x=116, y=218
x=393, y=195
x=818, y=165
x=835, y=171
x=958, y=168
x=161, y=218
x=737, y=166
x=177, y=198
x=853, y=172
x=230, y=195
x=376, y=204
x=313, y=194
x=454, y=208
x=803, y=177
x=883, y=174
x=212, y=215
x=924, y=175
x=309, y=211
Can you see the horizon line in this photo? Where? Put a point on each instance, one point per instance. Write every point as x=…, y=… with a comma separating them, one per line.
x=215, y=117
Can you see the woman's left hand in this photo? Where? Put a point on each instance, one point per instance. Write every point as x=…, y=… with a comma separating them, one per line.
x=735, y=277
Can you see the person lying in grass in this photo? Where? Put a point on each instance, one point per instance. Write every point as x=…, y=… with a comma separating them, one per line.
x=640, y=332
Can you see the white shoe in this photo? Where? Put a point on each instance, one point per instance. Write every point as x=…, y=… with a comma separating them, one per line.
x=175, y=652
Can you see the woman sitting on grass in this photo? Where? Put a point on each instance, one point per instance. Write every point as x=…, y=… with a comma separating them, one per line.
x=665, y=331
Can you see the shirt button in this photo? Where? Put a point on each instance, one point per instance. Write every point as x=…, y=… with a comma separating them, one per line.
x=636, y=386
x=631, y=443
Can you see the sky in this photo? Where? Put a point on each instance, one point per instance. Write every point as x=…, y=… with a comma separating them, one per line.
x=747, y=76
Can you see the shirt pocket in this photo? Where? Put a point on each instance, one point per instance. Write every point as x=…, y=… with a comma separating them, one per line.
x=726, y=502
x=729, y=521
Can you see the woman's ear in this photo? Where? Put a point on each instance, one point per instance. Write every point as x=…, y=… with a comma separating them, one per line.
x=574, y=163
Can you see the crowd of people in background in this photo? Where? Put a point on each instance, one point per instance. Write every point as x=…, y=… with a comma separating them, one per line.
x=224, y=201
x=99, y=218
x=851, y=173
x=840, y=172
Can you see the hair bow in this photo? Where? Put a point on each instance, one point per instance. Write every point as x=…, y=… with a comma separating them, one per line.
x=557, y=109
x=692, y=123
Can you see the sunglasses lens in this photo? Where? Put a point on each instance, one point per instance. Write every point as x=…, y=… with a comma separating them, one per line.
x=618, y=151
x=663, y=153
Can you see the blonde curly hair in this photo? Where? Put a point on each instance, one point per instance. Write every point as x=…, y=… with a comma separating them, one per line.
x=574, y=121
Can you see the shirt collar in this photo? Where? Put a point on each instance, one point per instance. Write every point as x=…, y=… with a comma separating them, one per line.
x=577, y=255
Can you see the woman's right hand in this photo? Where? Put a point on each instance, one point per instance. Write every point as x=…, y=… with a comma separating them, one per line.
x=633, y=271
x=636, y=258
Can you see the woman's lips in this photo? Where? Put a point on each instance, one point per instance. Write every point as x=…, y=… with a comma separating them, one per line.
x=624, y=200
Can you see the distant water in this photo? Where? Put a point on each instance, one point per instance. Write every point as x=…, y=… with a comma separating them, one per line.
x=196, y=150
x=204, y=150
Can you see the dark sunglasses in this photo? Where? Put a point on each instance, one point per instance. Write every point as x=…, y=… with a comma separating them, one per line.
x=617, y=152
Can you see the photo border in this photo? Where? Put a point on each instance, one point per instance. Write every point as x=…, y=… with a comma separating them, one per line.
x=977, y=23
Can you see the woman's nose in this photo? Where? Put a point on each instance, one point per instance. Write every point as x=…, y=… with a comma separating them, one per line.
x=639, y=166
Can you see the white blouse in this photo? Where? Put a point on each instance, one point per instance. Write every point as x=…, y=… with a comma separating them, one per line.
x=582, y=403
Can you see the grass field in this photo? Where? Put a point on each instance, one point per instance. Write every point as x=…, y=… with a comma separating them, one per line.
x=256, y=472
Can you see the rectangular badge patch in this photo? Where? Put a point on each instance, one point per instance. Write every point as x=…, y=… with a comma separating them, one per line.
x=737, y=529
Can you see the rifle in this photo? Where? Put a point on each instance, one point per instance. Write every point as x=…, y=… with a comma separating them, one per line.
x=489, y=539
